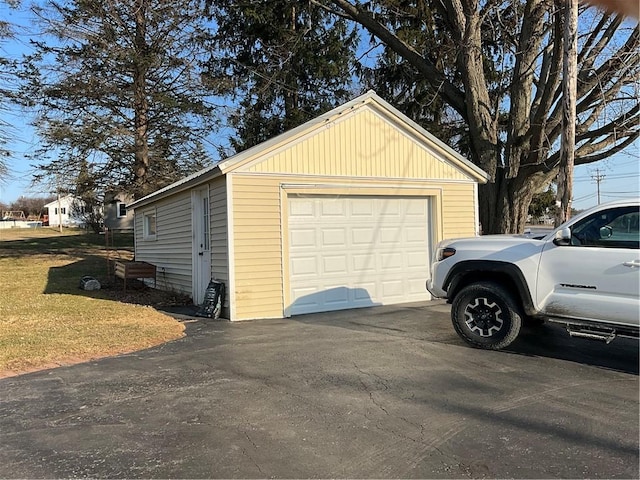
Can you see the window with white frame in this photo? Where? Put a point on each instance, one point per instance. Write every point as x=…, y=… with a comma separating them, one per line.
x=149, y=224
x=122, y=209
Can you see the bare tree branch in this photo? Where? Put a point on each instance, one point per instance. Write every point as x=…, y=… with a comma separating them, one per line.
x=585, y=157
x=452, y=95
x=625, y=122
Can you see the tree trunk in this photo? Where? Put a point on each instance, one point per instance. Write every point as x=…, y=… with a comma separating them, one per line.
x=569, y=89
x=291, y=104
x=504, y=204
x=141, y=104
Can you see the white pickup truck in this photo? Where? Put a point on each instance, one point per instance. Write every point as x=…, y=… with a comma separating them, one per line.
x=585, y=275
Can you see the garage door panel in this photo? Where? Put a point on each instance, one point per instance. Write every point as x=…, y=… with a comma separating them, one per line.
x=391, y=261
x=336, y=296
x=304, y=297
x=304, y=238
x=363, y=263
x=415, y=288
x=362, y=236
x=392, y=288
x=333, y=208
x=335, y=264
x=333, y=236
x=417, y=259
x=389, y=209
x=361, y=208
x=415, y=234
x=361, y=293
x=365, y=251
x=304, y=266
x=391, y=236
x=303, y=208
x=416, y=209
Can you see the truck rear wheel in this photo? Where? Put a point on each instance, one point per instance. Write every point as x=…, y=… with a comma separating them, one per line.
x=486, y=316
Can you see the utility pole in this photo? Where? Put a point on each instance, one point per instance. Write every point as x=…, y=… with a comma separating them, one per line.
x=59, y=206
x=569, y=93
x=598, y=177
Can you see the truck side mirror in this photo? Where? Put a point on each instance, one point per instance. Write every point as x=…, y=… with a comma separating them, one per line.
x=562, y=237
x=606, y=231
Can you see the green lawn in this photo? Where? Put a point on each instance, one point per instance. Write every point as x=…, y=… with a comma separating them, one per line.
x=46, y=320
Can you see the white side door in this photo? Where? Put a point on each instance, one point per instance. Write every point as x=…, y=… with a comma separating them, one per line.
x=201, y=243
x=597, y=276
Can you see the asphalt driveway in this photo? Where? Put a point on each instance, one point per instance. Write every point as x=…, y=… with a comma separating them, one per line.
x=385, y=392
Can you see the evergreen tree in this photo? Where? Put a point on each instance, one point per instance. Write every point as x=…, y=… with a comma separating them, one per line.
x=543, y=203
x=396, y=80
x=287, y=62
x=8, y=85
x=118, y=86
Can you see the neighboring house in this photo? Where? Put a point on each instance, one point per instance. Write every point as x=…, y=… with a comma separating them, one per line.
x=68, y=210
x=116, y=215
x=341, y=212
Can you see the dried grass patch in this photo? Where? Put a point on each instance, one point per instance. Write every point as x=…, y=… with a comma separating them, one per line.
x=46, y=320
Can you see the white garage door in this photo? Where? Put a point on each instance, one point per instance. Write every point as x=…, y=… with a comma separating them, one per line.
x=350, y=252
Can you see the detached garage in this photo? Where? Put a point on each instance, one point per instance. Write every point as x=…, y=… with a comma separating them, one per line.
x=341, y=212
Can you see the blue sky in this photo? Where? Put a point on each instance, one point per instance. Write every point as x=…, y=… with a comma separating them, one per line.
x=620, y=175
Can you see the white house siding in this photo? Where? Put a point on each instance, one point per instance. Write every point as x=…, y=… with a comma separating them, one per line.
x=70, y=217
x=171, y=249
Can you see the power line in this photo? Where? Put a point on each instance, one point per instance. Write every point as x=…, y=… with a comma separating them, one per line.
x=584, y=197
x=610, y=177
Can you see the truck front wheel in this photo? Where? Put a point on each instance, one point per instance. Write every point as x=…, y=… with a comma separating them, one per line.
x=486, y=316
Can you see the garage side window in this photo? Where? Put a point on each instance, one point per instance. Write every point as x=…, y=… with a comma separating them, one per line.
x=149, y=224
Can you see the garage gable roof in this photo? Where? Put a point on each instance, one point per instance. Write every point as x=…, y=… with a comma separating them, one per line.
x=370, y=99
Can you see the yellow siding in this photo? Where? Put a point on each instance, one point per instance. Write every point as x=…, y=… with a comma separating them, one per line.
x=258, y=230
x=219, y=232
x=257, y=247
x=458, y=211
x=361, y=145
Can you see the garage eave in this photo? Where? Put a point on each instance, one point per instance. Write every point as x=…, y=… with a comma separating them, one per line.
x=186, y=183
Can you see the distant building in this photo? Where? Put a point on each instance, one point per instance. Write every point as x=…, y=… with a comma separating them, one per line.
x=68, y=210
x=116, y=215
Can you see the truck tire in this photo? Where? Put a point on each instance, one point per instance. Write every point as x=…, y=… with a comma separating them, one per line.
x=485, y=315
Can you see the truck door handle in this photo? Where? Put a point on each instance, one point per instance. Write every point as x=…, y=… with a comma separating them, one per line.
x=632, y=263
x=201, y=253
